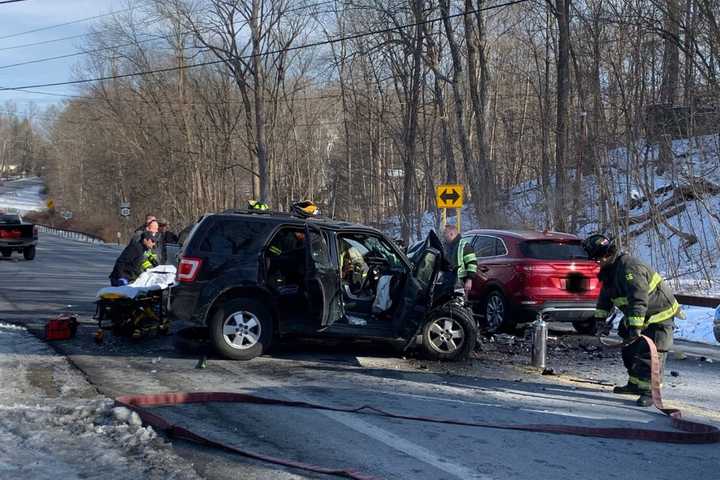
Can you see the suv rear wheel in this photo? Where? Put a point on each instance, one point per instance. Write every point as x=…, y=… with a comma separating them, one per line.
x=496, y=313
x=449, y=333
x=241, y=329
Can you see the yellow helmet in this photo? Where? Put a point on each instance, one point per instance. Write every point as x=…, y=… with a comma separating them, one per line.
x=257, y=205
x=305, y=208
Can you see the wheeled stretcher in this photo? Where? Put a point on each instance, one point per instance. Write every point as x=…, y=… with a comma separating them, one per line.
x=136, y=310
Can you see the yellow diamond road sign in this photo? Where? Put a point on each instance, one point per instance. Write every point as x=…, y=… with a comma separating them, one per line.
x=449, y=196
x=50, y=204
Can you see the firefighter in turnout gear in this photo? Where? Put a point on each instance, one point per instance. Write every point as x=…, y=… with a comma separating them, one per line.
x=647, y=304
x=135, y=259
x=462, y=257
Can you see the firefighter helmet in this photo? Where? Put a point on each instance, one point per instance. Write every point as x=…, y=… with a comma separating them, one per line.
x=257, y=205
x=305, y=208
x=599, y=246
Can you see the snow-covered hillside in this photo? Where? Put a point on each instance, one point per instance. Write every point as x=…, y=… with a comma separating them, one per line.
x=674, y=216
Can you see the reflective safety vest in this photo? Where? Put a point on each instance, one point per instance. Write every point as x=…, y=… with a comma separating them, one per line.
x=465, y=260
x=149, y=261
x=638, y=291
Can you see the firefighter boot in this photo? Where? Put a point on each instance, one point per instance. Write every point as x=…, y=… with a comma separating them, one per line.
x=629, y=389
x=645, y=400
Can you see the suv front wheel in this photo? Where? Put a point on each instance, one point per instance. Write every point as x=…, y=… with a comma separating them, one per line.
x=449, y=333
x=241, y=329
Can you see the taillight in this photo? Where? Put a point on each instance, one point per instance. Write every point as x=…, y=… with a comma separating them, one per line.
x=188, y=269
x=35, y=231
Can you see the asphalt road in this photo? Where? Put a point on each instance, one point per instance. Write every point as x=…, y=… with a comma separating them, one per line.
x=68, y=272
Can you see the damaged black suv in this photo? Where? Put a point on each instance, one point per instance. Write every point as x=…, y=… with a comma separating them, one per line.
x=252, y=277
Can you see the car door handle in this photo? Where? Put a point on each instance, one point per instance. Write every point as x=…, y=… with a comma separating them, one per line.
x=483, y=269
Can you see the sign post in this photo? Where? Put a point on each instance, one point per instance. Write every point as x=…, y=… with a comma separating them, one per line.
x=450, y=196
x=125, y=214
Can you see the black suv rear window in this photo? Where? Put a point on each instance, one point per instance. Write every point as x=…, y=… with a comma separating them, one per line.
x=233, y=237
x=553, y=250
x=9, y=219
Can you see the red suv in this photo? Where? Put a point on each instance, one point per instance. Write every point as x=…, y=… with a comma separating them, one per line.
x=523, y=272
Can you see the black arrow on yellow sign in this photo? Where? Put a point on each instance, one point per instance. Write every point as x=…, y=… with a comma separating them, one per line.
x=450, y=196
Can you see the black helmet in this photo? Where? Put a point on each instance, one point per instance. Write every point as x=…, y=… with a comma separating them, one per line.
x=598, y=246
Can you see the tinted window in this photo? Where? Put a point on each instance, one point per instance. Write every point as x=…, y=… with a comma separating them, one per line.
x=10, y=219
x=553, y=250
x=485, y=246
x=319, y=249
x=233, y=237
x=500, y=247
x=426, y=268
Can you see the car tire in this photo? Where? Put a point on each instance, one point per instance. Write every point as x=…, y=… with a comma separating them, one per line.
x=496, y=313
x=192, y=341
x=6, y=253
x=586, y=327
x=252, y=325
x=444, y=327
x=29, y=253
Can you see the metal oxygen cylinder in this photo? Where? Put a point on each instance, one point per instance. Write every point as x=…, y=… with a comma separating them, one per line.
x=539, y=341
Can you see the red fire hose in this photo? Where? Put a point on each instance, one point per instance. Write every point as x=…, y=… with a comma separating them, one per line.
x=688, y=431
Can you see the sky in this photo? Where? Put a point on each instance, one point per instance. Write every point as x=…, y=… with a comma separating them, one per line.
x=16, y=18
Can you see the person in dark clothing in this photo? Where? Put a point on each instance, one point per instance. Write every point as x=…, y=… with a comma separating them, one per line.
x=165, y=237
x=462, y=257
x=152, y=226
x=134, y=259
x=647, y=304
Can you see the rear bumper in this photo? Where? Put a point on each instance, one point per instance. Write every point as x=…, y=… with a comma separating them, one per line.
x=17, y=244
x=557, y=311
x=183, y=303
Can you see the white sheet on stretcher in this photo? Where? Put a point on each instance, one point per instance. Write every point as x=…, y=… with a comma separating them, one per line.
x=158, y=278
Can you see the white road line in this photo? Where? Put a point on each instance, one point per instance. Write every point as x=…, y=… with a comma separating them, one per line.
x=388, y=438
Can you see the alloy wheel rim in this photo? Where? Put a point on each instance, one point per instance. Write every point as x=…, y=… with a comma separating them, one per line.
x=495, y=312
x=241, y=330
x=446, y=335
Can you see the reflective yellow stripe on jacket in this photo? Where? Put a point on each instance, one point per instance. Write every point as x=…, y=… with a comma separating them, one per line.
x=654, y=282
x=664, y=315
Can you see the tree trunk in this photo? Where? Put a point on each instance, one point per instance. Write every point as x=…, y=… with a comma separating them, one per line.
x=563, y=95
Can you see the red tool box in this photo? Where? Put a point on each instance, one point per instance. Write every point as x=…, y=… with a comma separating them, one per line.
x=61, y=328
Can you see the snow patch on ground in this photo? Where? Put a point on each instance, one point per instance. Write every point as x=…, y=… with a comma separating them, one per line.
x=54, y=425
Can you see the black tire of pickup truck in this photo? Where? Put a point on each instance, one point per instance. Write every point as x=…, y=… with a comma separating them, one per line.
x=29, y=253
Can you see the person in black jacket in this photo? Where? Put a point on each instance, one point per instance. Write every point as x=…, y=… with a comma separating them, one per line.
x=648, y=306
x=134, y=259
x=165, y=237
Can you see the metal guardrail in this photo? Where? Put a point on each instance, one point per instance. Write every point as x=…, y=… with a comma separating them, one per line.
x=696, y=301
x=71, y=234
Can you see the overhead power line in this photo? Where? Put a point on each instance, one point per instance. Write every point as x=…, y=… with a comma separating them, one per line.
x=11, y=1
x=273, y=52
x=72, y=37
x=58, y=25
x=136, y=42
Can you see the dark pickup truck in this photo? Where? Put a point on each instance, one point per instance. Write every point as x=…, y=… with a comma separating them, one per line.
x=17, y=236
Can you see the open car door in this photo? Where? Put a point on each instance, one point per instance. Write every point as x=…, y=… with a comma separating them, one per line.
x=322, y=280
x=417, y=295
